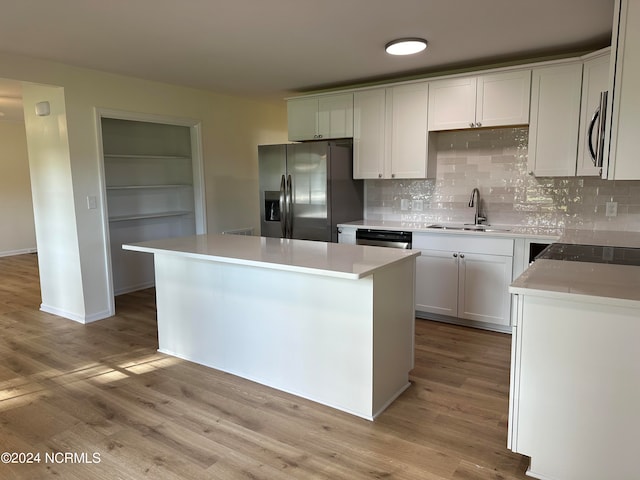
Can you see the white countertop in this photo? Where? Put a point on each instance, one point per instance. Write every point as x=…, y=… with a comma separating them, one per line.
x=319, y=258
x=511, y=231
x=592, y=282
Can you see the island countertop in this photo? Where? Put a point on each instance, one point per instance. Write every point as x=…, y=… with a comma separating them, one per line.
x=319, y=258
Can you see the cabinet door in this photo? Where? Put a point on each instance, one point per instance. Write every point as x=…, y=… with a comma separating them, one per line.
x=437, y=282
x=503, y=99
x=368, y=133
x=347, y=235
x=302, y=118
x=407, y=116
x=595, y=78
x=555, y=115
x=335, y=116
x=452, y=104
x=483, y=288
x=624, y=101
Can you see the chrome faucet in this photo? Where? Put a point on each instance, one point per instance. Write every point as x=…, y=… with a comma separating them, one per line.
x=478, y=219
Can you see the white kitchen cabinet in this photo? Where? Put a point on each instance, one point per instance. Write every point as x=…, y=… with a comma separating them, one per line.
x=437, y=282
x=573, y=403
x=347, y=235
x=151, y=192
x=595, y=79
x=369, y=123
x=464, y=276
x=621, y=139
x=390, y=133
x=480, y=101
x=555, y=118
x=320, y=117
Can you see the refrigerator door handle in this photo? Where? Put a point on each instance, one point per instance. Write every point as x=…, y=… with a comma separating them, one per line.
x=283, y=207
x=289, y=207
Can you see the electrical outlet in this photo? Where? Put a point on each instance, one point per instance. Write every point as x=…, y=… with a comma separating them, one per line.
x=404, y=204
x=611, y=209
x=416, y=205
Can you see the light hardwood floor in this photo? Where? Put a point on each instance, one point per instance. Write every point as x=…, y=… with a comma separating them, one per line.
x=102, y=388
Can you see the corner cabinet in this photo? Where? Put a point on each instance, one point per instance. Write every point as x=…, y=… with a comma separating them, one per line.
x=490, y=100
x=555, y=117
x=621, y=138
x=390, y=137
x=466, y=277
x=150, y=192
x=320, y=117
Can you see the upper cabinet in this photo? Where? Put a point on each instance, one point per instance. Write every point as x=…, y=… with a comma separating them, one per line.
x=555, y=116
x=390, y=132
x=369, y=107
x=621, y=137
x=320, y=117
x=480, y=101
x=595, y=80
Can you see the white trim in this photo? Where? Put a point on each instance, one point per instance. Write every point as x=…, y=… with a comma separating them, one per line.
x=105, y=214
x=197, y=163
x=74, y=316
x=135, y=288
x=22, y=251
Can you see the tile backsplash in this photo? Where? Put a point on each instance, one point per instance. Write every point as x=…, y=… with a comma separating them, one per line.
x=495, y=161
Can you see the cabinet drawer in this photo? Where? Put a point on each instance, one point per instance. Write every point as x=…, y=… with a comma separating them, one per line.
x=464, y=243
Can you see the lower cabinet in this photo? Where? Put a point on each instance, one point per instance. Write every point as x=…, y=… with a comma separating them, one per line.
x=469, y=281
x=347, y=235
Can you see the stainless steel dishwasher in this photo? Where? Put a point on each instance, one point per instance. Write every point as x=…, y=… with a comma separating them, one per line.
x=383, y=238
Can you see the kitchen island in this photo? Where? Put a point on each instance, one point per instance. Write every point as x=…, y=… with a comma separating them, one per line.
x=328, y=322
x=575, y=376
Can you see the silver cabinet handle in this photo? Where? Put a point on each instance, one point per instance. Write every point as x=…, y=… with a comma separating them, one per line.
x=462, y=255
x=471, y=124
x=592, y=124
x=478, y=124
x=393, y=175
x=602, y=128
x=379, y=175
x=455, y=255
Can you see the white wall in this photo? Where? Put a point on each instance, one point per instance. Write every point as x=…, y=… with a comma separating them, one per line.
x=16, y=209
x=54, y=208
x=232, y=128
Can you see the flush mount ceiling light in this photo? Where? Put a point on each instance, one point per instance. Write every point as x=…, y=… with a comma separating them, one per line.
x=405, y=46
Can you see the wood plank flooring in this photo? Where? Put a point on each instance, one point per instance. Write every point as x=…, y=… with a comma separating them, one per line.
x=103, y=389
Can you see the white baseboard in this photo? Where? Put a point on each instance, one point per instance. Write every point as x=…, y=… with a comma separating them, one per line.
x=74, y=316
x=22, y=251
x=134, y=288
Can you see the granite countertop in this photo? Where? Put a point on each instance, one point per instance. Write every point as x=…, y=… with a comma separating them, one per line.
x=318, y=258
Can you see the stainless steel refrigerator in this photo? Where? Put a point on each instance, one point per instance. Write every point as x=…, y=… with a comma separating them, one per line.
x=306, y=189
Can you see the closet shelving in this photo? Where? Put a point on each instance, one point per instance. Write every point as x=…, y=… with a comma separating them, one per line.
x=149, y=181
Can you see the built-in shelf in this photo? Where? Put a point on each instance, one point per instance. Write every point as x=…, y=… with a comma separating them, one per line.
x=151, y=191
x=142, y=216
x=145, y=187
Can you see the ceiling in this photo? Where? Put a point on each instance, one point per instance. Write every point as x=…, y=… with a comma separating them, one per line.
x=278, y=47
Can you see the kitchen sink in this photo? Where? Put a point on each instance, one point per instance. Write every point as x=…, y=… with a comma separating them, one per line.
x=471, y=228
